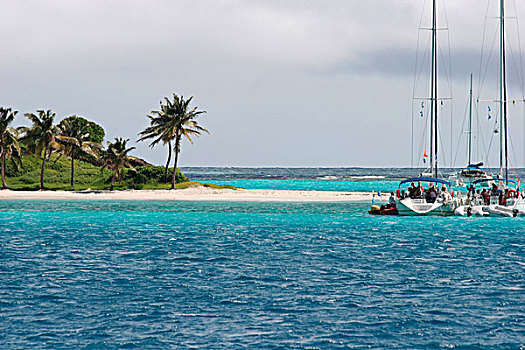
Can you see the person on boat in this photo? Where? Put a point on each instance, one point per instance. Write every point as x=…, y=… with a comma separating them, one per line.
x=418, y=192
x=494, y=190
x=503, y=197
x=471, y=191
x=392, y=200
x=427, y=194
x=411, y=190
x=477, y=197
x=432, y=193
x=445, y=194
x=485, y=196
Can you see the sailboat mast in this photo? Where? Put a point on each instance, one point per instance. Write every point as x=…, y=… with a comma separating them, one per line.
x=470, y=123
x=433, y=96
x=503, y=137
x=505, y=121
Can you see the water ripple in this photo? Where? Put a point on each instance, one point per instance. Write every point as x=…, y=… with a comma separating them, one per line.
x=255, y=275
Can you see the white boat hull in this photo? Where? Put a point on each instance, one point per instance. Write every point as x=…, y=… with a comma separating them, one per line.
x=471, y=210
x=417, y=206
x=513, y=209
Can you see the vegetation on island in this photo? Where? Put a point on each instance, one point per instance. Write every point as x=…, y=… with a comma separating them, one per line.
x=170, y=124
x=70, y=155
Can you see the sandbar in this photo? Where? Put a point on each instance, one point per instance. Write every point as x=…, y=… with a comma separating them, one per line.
x=199, y=193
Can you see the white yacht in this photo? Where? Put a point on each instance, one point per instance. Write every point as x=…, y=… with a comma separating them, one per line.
x=431, y=195
x=425, y=196
x=501, y=195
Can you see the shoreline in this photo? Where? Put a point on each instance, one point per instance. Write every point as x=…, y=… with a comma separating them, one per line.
x=200, y=193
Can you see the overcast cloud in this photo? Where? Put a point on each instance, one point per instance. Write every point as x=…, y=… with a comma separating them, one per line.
x=285, y=83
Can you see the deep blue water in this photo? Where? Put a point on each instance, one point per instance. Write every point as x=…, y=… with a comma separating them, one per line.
x=157, y=275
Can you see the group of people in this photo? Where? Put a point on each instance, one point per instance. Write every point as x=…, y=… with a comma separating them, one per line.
x=430, y=194
x=483, y=196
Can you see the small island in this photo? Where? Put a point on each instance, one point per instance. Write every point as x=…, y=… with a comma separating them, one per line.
x=70, y=156
x=67, y=161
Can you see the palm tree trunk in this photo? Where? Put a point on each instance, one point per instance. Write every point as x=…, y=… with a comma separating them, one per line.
x=4, y=185
x=57, y=158
x=113, y=180
x=167, y=163
x=72, y=169
x=42, y=170
x=176, y=150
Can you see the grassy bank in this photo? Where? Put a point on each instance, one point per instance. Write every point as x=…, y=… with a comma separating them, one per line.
x=87, y=175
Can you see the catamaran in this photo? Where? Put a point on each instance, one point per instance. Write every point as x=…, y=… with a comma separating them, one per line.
x=501, y=196
x=431, y=195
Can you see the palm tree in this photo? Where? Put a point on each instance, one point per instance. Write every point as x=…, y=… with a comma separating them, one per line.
x=186, y=125
x=73, y=138
x=116, y=157
x=158, y=122
x=11, y=149
x=43, y=135
x=9, y=146
x=174, y=121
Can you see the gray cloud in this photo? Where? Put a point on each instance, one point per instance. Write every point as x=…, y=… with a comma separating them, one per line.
x=284, y=82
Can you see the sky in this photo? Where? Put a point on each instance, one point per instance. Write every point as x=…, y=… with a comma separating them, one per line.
x=284, y=82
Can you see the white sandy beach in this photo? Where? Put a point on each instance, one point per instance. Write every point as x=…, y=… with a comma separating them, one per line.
x=192, y=194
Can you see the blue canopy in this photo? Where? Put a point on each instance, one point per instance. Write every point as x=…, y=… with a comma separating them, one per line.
x=475, y=166
x=496, y=179
x=426, y=179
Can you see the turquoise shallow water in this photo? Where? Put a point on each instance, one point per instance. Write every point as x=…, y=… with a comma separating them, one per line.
x=311, y=184
x=158, y=275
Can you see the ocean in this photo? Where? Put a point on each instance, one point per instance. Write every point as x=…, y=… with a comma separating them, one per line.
x=158, y=275
x=319, y=179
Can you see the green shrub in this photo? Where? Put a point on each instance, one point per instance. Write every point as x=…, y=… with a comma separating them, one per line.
x=58, y=172
x=152, y=174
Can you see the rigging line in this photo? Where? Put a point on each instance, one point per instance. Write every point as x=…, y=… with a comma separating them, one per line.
x=512, y=168
x=448, y=78
x=449, y=75
x=442, y=158
x=416, y=82
x=482, y=48
x=459, y=138
x=522, y=80
x=522, y=87
x=486, y=150
x=451, y=90
x=446, y=73
x=423, y=137
x=484, y=76
x=426, y=82
x=490, y=144
x=423, y=65
x=514, y=172
x=477, y=149
x=416, y=79
x=520, y=53
x=513, y=152
x=426, y=55
x=515, y=65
